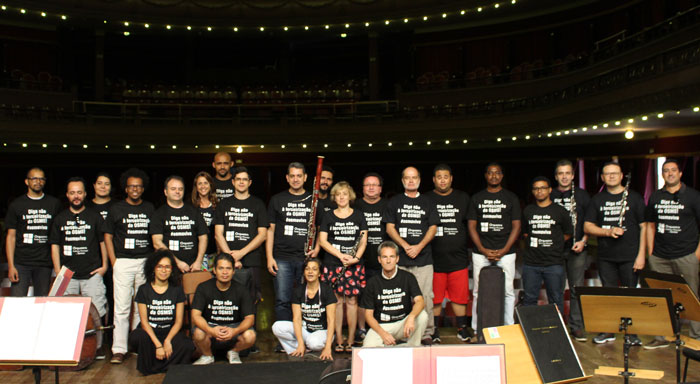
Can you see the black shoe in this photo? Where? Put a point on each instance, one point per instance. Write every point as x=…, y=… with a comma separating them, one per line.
x=427, y=340
x=436, y=336
x=464, y=334
x=579, y=335
x=279, y=349
x=100, y=353
x=635, y=341
x=254, y=349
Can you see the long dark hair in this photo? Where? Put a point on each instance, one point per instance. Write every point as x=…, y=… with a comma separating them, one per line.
x=149, y=268
x=212, y=193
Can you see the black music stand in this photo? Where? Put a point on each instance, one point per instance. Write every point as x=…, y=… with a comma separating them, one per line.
x=631, y=311
x=686, y=304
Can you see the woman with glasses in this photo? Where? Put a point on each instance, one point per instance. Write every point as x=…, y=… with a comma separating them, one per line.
x=161, y=304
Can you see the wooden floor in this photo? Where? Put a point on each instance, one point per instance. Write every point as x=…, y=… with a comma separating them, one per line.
x=591, y=356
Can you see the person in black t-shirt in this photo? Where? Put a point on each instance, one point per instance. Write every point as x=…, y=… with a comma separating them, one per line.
x=128, y=245
x=161, y=305
x=288, y=213
x=575, y=253
x=450, y=253
x=343, y=238
x=313, y=310
x=205, y=200
x=372, y=205
x=222, y=312
x=411, y=222
x=222, y=177
x=325, y=203
x=494, y=227
x=393, y=304
x=620, y=246
x=28, y=222
x=180, y=228
x=673, y=217
x=547, y=227
x=76, y=242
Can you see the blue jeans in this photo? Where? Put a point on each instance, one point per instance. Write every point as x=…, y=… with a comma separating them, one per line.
x=553, y=277
x=38, y=277
x=289, y=274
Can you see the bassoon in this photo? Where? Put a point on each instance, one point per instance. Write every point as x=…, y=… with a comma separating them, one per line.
x=311, y=226
x=623, y=201
x=572, y=212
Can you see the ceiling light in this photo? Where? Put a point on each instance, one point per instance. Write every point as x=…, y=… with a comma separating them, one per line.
x=629, y=134
x=239, y=149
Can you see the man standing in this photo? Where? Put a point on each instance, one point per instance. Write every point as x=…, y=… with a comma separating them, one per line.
x=288, y=213
x=547, y=228
x=411, y=221
x=324, y=202
x=28, y=223
x=494, y=226
x=222, y=313
x=672, y=216
x=620, y=244
x=240, y=224
x=450, y=254
x=575, y=254
x=128, y=245
x=222, y=177
x=393, y=303
x=76, y=238
x=180, y=228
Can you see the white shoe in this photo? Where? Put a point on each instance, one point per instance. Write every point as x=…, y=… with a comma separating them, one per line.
x=233, y=357
x=204, y=360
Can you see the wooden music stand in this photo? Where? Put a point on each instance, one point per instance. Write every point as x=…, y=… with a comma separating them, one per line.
x=631, y=311
x=686, y=304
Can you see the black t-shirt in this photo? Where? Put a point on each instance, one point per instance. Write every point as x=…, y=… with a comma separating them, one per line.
x=582, y=201
x=412, y=217
x=545, y=228
x=676, y=216
x=161, y=308
x=313, y=310
x=181, y=228
x=222, y=307
x=376, y=230
x=78, y=236
x=208, y=216
x=450, y=243
x=494, y=214
x=103, y=209
x=223, y=188
x=342, y=234
x=31, y=219
x=290, y=214
x=604, y=211
x=241, y=220
x=129, y=226
x=391, y=299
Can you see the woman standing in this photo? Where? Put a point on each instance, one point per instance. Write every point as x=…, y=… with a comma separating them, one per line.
x=310, y=303
x=161, y=301
x=343, y=237
x=204, y=199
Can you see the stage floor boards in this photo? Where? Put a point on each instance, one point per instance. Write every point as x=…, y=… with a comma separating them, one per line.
x=591, y=356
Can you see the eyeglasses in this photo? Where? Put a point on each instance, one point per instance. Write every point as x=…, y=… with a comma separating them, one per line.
x=164, y=267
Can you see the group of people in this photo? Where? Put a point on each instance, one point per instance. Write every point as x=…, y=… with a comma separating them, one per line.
x=385, y=266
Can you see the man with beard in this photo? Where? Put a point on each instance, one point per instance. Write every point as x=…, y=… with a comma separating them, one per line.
x=75, y=241
x=180, y=228
x=494, y=226
x=411, y=222
x=673, y=216
x=28, y=223
x=128, y=245
x=222, y=177
x=547, y=227
x=450, y=253
x=325, y=204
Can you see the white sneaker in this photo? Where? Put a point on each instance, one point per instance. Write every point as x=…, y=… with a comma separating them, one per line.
x=204, y=360
x=233, y=357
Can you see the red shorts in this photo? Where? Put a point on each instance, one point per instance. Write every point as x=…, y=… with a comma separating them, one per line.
x=453, y=285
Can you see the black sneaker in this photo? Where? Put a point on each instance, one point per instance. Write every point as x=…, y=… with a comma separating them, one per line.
x=100, y=353
x=279, y=349
x=464, y=334
x=635, y=341
x=436, y=336
x=579, y=335
x=603, y=338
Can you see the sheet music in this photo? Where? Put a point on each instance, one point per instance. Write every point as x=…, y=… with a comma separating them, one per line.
x=376, y=360
x=479, y=369
x=59, y=331
x=19, y=320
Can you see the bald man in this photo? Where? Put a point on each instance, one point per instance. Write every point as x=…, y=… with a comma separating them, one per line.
x=223, y=180
x=411, y=222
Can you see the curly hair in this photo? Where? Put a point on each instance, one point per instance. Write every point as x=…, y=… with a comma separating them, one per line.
x=134, y=172
x=149, y=268
x=212, y=193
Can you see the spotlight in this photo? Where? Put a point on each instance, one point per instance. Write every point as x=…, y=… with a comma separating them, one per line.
x=629, y=134
x=239, y=149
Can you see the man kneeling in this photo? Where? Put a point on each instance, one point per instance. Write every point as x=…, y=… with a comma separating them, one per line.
x=393, y=303
x=222, y=312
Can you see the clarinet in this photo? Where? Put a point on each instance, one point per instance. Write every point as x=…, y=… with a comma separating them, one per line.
x=353, y=252
x=311, y=226
x=572, y=212
x=623, y=201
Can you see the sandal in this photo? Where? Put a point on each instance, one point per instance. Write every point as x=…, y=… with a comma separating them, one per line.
x=340, y=348
x=348, y=348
